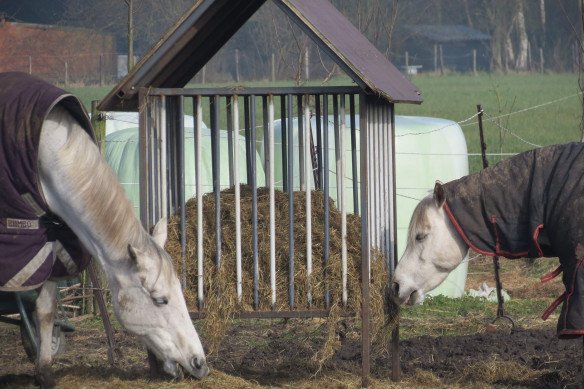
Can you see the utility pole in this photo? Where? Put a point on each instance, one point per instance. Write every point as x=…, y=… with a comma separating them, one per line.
x=130, y=4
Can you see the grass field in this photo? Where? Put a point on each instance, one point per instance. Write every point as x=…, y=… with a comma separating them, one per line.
x=540, y=109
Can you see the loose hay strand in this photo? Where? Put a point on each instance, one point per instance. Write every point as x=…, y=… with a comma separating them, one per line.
x=220, y=284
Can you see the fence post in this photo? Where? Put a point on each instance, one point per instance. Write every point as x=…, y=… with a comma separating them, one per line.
x=541, y=60
x=441, y=60
x=474, y=61
x=407, y=63
x=101, y=77
x=66, y=73
x=435, y=58
x=29, y=64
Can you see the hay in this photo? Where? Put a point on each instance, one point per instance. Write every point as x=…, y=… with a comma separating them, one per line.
x=220, y=282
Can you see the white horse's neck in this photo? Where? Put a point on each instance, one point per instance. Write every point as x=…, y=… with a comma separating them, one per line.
x=81, y=188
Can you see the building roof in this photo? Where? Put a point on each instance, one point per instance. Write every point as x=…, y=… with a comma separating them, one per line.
x=209, y=24
x=445, y=34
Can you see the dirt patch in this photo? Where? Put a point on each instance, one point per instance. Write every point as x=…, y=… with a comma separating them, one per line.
x=276, y=353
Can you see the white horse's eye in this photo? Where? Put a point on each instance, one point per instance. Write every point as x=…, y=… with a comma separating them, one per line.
x=159, y=301
x=420, y=237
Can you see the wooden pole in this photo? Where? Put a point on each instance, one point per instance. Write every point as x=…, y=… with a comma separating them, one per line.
x=101, y=75
x=130, y=4
x=441, y=60
x=474, y=61
x=435, y=58
x=98, y=123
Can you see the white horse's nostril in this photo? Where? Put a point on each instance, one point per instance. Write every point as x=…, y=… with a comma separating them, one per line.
x=197, y=362
x=395, y=289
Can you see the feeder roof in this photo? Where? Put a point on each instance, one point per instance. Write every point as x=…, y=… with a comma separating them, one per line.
x=209, y=24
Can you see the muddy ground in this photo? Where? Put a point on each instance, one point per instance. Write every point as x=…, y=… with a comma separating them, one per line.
x=278, y=353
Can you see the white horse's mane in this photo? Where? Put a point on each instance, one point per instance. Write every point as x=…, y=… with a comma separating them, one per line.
x=95, y=185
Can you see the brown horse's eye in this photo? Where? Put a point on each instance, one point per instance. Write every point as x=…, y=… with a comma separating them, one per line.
x=420, y=237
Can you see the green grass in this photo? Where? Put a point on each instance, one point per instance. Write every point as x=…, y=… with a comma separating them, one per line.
x=455, y=97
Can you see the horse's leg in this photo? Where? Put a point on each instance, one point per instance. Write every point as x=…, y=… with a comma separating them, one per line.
x=46, y=306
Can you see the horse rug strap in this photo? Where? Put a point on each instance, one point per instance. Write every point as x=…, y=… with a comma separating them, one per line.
x=35, y=245
x=530, y=205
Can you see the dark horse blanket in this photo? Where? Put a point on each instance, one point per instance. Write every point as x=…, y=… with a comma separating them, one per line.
x=531, y=205
x=34, y=245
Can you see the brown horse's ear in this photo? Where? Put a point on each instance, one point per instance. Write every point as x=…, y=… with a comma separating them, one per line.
x=439, y=196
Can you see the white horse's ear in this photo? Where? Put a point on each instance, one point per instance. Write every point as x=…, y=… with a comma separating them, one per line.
x=439, y=196
x=160, y=232
x=144, y=265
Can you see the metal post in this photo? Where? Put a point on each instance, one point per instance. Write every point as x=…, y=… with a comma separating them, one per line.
x=290, y=185
x=325, y=172
x=365, y=254
x=254, y=208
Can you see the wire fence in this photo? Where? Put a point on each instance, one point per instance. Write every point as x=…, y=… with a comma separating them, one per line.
x=495, y=121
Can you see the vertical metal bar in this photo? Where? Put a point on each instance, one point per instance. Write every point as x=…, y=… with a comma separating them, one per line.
x=170, y=151
x=395, y=363
x=284, y=139
x=265, y=124
x=307, y=157
x=365, y=253
x=143, y=155
x=354, y=154
x=154, y=158
x=319, y=120
x=254, y=206
x=371, y=169
x=152, y=118
x=290, y=187
x=249, y=148
x=301, y=141
x=388, y=178
x=230, y=141
x=341, y=198
x=164, y=160
x=181, y=186
x=214, y=111
x=378, y=215
x=326, y=188
x=235, y=102
x=198, y=177
x=272, y=184
x=373, y=174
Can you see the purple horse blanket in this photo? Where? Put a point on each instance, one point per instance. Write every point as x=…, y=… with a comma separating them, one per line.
x=35, y=245
x=531, y=205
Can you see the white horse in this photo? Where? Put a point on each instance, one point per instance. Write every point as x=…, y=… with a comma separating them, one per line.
x=434, y=248
x=530, y=205
x=80, y=188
